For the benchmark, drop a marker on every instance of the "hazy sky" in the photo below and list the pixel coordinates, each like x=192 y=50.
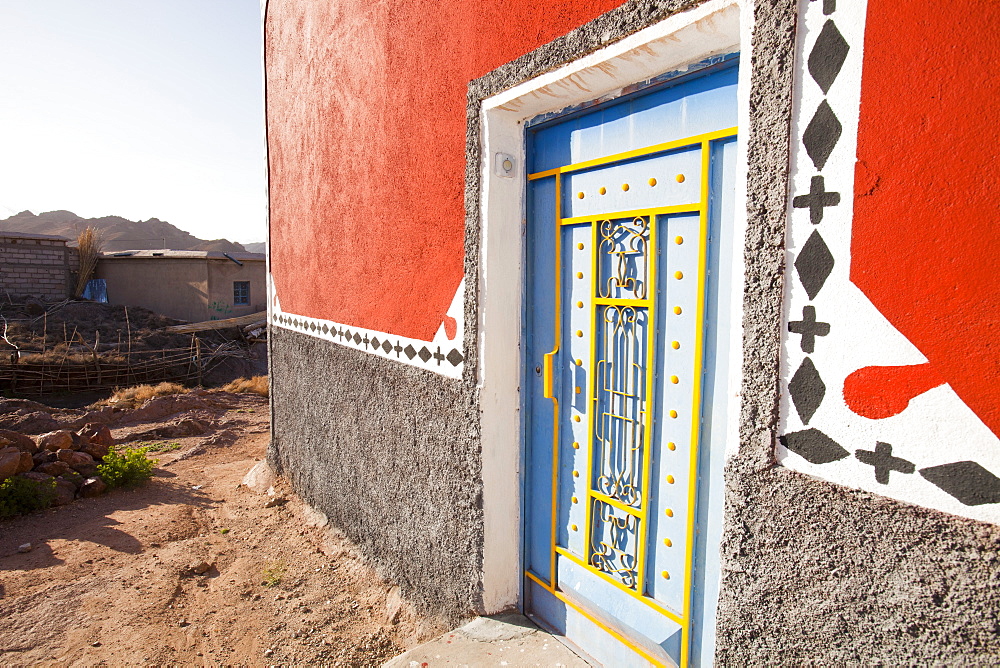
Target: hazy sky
x=137 y=108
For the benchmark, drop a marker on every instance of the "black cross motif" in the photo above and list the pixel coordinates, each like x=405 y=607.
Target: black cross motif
x=438 y=356
x=816 y=200
x=398 y=348
x=809 y=328
x=884 y=462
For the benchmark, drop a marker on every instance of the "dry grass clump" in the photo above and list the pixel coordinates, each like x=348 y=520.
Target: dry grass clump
x=255 y=385
x=130 y=397
x=89 y=244
x=61 y=354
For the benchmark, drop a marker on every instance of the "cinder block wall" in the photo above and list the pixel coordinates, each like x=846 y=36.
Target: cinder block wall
x=35 y=268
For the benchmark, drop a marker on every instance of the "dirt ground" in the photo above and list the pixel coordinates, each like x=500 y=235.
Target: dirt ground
x=109 y=580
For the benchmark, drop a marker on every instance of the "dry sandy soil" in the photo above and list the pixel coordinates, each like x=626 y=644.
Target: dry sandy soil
x=108 y=580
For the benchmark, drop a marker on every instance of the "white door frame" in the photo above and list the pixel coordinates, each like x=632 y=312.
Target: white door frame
x=713 y=28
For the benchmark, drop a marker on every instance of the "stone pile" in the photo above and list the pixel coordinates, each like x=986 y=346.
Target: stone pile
x=68 y=457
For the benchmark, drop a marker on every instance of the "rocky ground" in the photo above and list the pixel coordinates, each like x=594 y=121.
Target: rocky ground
x=194 y=567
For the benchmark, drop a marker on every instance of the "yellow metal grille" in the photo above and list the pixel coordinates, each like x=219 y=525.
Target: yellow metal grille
x=621 y=365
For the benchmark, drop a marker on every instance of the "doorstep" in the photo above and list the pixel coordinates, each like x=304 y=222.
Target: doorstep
x=502 y=640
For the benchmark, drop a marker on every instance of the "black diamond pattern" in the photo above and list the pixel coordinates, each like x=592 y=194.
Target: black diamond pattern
x=827 y=56
x=967 y=481
x=454 y=356
x=807 y=390
x=822 y=134
x=814 y=446
x=814 y=264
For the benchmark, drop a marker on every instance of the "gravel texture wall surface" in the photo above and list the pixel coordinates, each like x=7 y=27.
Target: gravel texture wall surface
x=390 y=454
x=813 y=572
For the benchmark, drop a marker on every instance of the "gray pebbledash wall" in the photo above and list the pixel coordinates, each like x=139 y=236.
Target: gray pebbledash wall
x=812 y=572
x=390 y=454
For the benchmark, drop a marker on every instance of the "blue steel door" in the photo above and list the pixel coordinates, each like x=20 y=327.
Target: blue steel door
x=628 y=256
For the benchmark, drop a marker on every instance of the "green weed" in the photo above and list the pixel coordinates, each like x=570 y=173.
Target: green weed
x=19 y=496
x=161 y=447
x=272 y=573
x=126 y=468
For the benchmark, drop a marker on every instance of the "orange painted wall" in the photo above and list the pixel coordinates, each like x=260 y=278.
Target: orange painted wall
x=926 y=237
x=366 y=106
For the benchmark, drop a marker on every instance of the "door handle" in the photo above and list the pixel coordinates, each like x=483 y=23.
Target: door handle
x=547 y=374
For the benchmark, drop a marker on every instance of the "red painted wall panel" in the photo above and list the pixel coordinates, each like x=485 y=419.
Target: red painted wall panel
x=366 y=140
x=926 y=236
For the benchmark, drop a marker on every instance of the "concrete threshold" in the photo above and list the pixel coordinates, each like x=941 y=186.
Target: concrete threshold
x=502 y=640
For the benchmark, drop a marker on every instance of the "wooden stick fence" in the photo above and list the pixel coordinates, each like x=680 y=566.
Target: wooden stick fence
x=182 y=365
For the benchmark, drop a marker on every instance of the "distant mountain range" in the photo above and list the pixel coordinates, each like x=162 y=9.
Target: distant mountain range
x=121 y=234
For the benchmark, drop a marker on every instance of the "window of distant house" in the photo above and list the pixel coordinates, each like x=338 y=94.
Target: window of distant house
x=241 y=293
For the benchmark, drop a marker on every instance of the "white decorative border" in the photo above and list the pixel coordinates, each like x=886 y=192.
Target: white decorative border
x=937 y=428
x=442 y=355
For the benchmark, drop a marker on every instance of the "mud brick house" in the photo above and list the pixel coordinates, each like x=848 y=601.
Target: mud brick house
x=36 y=265
x=671 y=323
x=186 y=284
